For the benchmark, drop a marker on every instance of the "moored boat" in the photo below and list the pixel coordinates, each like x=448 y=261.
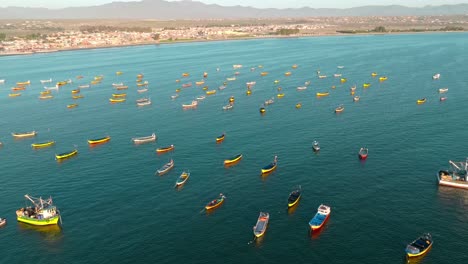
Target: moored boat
x=66 y=155
x=263 y=73
x=228 y=107
x=363 y=152
x=186 y=85
x=443 y=90
x=43 y=144
x=119 y=95
x=421 y=101
x=336 y=75
x=216 y=202
x=356 y=98
x=298 y=105
x=443 y=98
x=182 y=178
x=124 y=87
x=383 y=78
x=301 y=88
x=3 y=222
x=72 y=105
x=142 y=90
x=210 y=92
x=77 y=96
x=366 y=85
x=23 y=83
x=270 y=167
x=294 y=197
x=18 y=88
x=42 y=213
x=339 y=109
x=320 y=218
x=322 y=94
x=262 y=110
x=165 y=149
x=99 y=140
x=117 y=100
x=24 y=135
x=45 y=97
x=45 y=92
x=420 y=246
x=287 y=74
x=142 y=140
x=233 y=160
x=456 y=176
x=280 y=95
x=261 y=225
x=436 y=76
x=194 y=104
x=374 y=74
x=167 y=167
x=75 y=91
x=316 y=146
x=221 y=138
x=14 y=94
x=343 y=80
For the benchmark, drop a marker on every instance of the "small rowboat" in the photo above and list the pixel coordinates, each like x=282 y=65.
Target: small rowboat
x=121 y=87
x=66 y=155
x=194 y=104
x=118 y=73
x=43 y=144
x=419 y=246
x=182 y=179
x=436 y=76
x=185 y=74
x=322 y=94
x=216 y=202
x=77 y=96
x=301 y=88
x=270 y=167
x=336 y=75
x=421 y=101
x=142 y=140
x=24 y=135
x=45 y=97
x=14 y=94
x=294 y=197
x=167 y=167
x=75 y=91
x=93 y=142
x=3 y=222
x=280 y=95
x=139 y=76
x=83 y=86
x=366 y=85
x=45 y=92
x=186 y=85
x=18 y=88
x=339 y=109
x=228 y=107
x=145 y=83
x=287 y=74
x=374 y=74
x=23 y=83
x=294 y=66
x=142 y=90
x=72 y=105
x=356 y=98
x=363 y=152
x=383 y=78
x=443 y=98
x=220 y=138
x=316 y=146
x=95 y=82
x=231 y=79
x=199 y=83
x=210 y=92
x=165 y=149
x=46 y=81
x=119 y=95
x=114 y=100
x=262 y=223
x=144 y=103
x=443 y=90
x=298 y=105
x=233 y=160
x=320 y=218
x=343 y=80
x=263 y=73
x=262 y=110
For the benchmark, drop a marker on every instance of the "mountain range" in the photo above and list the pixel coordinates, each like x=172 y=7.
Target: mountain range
x=164 y=10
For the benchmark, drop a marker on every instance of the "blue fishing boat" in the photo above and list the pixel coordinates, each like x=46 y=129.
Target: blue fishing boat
x=270 y=167
x=419 y=246
x=320 y=218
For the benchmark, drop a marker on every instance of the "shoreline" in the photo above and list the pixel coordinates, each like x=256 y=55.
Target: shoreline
x=219 y=40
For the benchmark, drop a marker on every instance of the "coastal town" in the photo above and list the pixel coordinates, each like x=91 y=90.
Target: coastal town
x=36 y=36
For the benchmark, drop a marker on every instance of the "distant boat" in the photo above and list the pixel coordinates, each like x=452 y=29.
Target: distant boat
x=356 y=98
x=269 y=101
x=270 y=167
x=216 y=202
x=117 y=84
x=46 y=81
x=228 y=107
x=3 y=222
x=262 y=223
x=456 y=176
x=340 y=67
x=280 y=95
x=320 y=218
x=233 y=160
x=186 y=85
x=263 y=73
x=343 y=80
x=42 y=213
x=443 y=90
x=374 y=74
x=117 y=100
x=167 y=167
x=298 y=105
x=80 y=96
x=443 y=98
x=201 y=97
x=174 y=96
x=75 y=91
x=294 y=197
x=337 y=75
x=237 y=66
x=363 y=152
x=144 y=103
x=83 y=86
x=231 y=79
x=43 y=144
x=287 y=74
x=366 y=85
x=24 y=135
x=383 y=78
x=124 y=87
x=421 y=101
x=221 y=138
x=66 y=155
x=45 y=97
x=142 y=140
x=23 y=83
x=294 y=66
x=262 y=110
x=165 y=149
x=322 y=76
x=56 y=88
x=142 y=90
x=199 y=83
x=339 y=109
x=436 y=76
x=301 y=88
x=14 y=94
x=22 y=88
x=322 y=94
x=45 y=92
x=420 y=246
x=210 y=92
x=182 y=178
x=194 y=104
x=316 y=146
x=120 y=95
x=72 y=105
x=98 y=141
x=2 y=81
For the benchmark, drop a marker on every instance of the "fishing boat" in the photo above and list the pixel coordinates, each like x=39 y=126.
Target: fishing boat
x=142 y=140
x=3 y=222
x=294 y=197
x=443 y=90
x=287 y=74
x=237 y=66
x=250 y=84
x=194 y=104
x=43 y=212
x=144 y=103
x=366 y=85
x=118 y=73
x=340 y=67
x=18 y=89
x=83 y=86
x=231 y=99
x=185 y=74
x=66 y=155
x=231 y=79
x=140 y=75
x=75 y=91
x=443 y=98
x=262 y=223
x=43 y=144
x=294 y=66
x=45 y=92
x=262 y=110
x=72 y=105
x=436 y=76
x=249 y=92
x=301 y=88
x=205 y=74
x=24 y=135
x=343 y=80
x=216 y=202
x=270 y=167
x=14 y=94
x=201 y=97
x=199 y=83
x=54 y=88
x=228 y=107
x=263 y=73
x=276 y=81
x=167 y=167
x=421 y=101
x=121 y=95
x=145 y=83
x=339 y=109
x=61 y=83
x=221 y=138
x=356 y=98
x=117 y=84
x=316 y=146
x=298 y=105
x=420 y=246
x=222 y=87
x=280 y=95
x=186 y=85
x=174 y=96
x=2 y=81
x=95 y=82
x=77 y=96
x=322 y=76
x=125 y=87
x=99 y=140
x=23 y=83
x=142 y=90
x=320 y=218
x=383 y=78
x=233 y=160
x=456 y=176
x=336 y=75
x=182 y=178
x=165 y=149
x=322 y=94
x=210 y=92
x=117 y=100
x=269 y=101
x=79 y=77
x=363 y=152
x=374 y=74
x=45 y=97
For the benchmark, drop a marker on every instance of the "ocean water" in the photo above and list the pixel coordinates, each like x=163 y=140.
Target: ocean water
x=115 y=210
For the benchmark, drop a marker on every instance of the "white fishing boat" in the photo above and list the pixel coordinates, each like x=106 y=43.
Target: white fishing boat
x=237 y=66
x=269 y=101
x=231 y=79
x=456 y=176
x=201 y=97
x=250 y=84
x=142 y=140
x=340 y=67
x=2 y=81
x=436 y=76
x=222 y=87
x=167 y=167
x=52 y=88
x=194 y=104
x=337 y=75
x=83 y=86
x=443 y=90
x=142 y=90
x=46 y=81
x=141 y=100
x=174 y=96
x=322 y=76
x=117 y=84
x=228 y=107
x=301 y=88
x=262 y=223
x=144 y=103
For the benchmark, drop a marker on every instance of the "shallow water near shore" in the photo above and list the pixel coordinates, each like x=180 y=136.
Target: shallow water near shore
x=115 y=210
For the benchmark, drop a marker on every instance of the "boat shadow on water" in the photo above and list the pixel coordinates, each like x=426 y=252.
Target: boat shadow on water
x=50 y=233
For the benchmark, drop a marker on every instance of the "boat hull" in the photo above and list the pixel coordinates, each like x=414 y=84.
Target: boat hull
x=315 y=228
x=210 y=207
x=43 y=145
x=39 y=222
x=66 y=155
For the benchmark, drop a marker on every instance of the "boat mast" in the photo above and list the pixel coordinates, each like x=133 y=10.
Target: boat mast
x=455 y=165
x=32 y=200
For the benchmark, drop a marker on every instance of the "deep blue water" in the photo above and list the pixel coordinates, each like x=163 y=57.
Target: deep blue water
x=115 y=210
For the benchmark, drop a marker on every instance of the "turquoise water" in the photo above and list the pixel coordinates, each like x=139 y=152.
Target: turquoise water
x=115 y=210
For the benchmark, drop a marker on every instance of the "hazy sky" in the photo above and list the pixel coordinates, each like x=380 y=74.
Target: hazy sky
x=254 y=3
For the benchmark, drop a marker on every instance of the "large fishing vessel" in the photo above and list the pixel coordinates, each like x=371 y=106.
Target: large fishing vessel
x=455 y=176
x=42 y=213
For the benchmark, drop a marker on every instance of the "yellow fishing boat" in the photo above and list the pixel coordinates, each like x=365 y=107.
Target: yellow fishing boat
x=374 y=74
x=42 y=213
x=23 y=83
x=263 y=73
x=99 y=140
x=185 y=74
x=119 y=73
x=249 y=92
x=421 y=101
x=77 y=96
x=287 y=74
x=383 y=78
x=117 y=100
x=45 y=92
x=210 y=92
x=75 y=91
x=294 y=66
x=119 y=95
x=280 y=95
x=72 y=105
x=200 y=83
x=276 y=81
x=322 y=94
x=298 y=105
x=24 y=135
x=43 y=144
x=233 y=160
x=14 y=94
x=66 y=155
x=343 y=80
x=45 y=97
x=95 y=82
x=62 y=83
x=366 y=85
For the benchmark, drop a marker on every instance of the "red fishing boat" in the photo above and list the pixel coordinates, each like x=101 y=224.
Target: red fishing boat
x=363 y=153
